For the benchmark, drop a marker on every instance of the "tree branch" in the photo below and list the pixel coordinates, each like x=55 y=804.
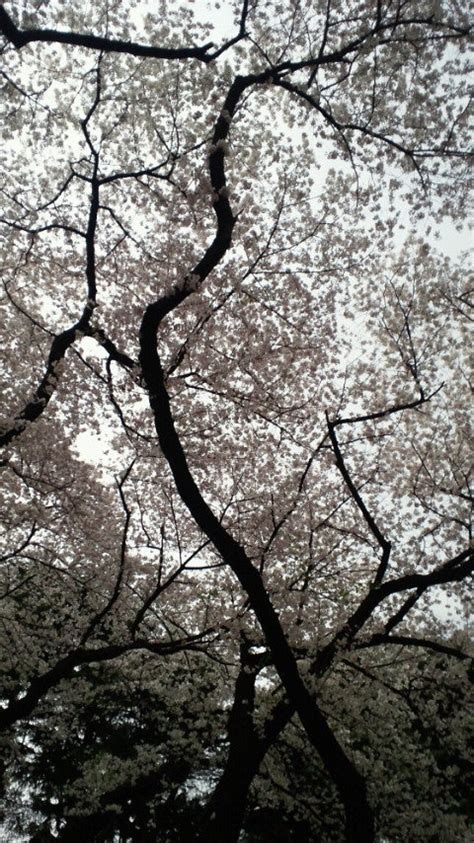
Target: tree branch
x=21 y=37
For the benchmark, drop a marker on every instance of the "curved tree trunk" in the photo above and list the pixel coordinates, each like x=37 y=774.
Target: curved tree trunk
x=349 y=783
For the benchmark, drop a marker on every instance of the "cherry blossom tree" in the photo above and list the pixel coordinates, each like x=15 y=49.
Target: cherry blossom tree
x=224 y=275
